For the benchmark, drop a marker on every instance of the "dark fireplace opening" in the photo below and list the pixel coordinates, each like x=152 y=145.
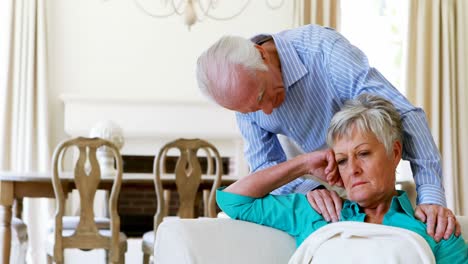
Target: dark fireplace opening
x=144 y=164
x=137 y=202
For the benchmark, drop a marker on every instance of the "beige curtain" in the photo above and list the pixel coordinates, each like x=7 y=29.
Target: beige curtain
x=24 y=141
x=437 y=78
x=321 y=12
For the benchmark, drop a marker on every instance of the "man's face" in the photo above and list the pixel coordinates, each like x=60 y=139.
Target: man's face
x=271 y=90
x=264 y=91
x=367 y=171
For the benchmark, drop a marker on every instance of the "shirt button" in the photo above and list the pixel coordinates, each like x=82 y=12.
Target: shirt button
x=291 y=129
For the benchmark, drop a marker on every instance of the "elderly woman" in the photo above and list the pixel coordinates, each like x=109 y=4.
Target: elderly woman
x=365 y=137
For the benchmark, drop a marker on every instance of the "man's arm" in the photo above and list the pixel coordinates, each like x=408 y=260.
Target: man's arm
x=351 y=75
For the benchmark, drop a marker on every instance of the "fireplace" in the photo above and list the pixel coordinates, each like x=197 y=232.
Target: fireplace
x=137 y=203
x=147 y=125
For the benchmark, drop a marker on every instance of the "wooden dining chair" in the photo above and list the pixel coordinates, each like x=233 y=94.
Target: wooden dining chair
x=87 y=177
x=188 y=177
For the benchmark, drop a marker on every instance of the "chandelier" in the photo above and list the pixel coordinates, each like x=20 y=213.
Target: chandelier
x=197 y=10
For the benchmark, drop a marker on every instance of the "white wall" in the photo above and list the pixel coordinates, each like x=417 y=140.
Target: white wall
x=110 y=48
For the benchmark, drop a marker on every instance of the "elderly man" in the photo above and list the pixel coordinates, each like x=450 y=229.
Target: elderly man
x=366 y=141
x=291 y=84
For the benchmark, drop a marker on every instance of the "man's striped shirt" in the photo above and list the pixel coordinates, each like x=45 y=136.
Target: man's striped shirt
x=321 y=70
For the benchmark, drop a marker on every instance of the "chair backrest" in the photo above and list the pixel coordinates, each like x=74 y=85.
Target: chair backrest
x=188 y=177
x=87 y=177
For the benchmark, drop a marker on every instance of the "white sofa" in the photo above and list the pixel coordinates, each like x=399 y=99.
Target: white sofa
x=205 y=241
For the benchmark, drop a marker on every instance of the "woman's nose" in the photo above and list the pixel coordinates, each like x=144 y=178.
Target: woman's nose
x=354 y=166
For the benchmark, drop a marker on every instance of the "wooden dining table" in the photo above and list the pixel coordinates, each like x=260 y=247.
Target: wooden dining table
x=18 y=185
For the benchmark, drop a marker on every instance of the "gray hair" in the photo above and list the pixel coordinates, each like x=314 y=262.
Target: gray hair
x=217 y=67
x=367 y=113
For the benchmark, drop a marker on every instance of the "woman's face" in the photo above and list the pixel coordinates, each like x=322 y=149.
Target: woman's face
x=368 y=172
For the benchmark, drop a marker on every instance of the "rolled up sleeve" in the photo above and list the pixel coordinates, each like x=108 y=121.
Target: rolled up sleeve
x=290 y=213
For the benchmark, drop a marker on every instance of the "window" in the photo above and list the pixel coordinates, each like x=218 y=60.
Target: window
x=378 y=27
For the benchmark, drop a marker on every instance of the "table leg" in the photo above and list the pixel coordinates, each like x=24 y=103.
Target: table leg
x=18 y=208
x=6 y=202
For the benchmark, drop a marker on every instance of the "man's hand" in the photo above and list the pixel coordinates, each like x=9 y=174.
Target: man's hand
x=327 y=203
x=441 y=222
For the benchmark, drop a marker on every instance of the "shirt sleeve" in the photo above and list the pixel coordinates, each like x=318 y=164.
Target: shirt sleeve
x=262 y=149
x=351 y=75
x=290 y=213
x=453 y=251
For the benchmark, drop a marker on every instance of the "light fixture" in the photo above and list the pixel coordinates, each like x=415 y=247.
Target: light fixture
x=197 y=10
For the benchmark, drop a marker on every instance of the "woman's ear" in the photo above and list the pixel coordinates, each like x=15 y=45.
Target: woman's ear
x=396 y=153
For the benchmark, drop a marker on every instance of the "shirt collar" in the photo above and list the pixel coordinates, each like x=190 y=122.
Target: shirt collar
x=400 y=203
x=292 y=67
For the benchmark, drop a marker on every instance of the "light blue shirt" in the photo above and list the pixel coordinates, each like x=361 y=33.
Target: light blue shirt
x=293 y=214
x=321 y=70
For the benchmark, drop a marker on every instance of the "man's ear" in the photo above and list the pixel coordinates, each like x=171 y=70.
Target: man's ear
x=262 y=51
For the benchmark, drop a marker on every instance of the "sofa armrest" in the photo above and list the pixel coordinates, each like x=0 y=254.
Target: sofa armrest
x=215 y=240
x=463 y=220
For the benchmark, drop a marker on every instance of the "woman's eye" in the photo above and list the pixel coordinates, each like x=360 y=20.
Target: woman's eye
x=341 y=162
x=364 y=153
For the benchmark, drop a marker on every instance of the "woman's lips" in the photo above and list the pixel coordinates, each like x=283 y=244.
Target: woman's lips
x=357 y=184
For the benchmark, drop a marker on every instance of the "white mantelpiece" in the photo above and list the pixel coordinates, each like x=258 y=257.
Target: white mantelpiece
x=148 y=124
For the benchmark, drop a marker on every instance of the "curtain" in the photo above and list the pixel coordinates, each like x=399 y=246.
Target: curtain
x=437 y=81
x=24 y=140
x=321 y=12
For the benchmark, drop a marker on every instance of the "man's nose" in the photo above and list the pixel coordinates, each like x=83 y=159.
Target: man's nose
x=267 y=107
x=267 y=111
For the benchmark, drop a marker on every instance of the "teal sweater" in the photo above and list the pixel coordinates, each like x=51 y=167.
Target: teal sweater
x=293 y=214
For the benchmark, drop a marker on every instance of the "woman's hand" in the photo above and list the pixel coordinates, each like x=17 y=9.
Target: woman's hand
x=322 y=164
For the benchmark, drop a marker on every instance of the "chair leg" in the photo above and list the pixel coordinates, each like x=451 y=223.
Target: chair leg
x=50 y=260
x=122 y=257
x=146 y=258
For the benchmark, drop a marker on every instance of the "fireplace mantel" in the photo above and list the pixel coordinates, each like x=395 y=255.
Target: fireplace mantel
x=149 y=123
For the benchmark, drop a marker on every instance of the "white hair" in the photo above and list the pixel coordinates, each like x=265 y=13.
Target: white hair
x=217 y=67
x=367 y=113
